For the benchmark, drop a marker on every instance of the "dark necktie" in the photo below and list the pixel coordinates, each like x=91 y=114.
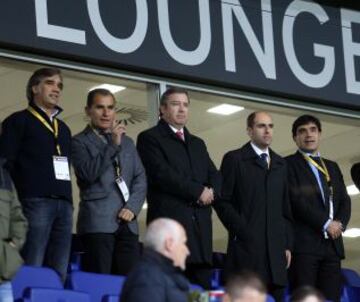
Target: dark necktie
x=263 y=157
x=323 y=181
x=107 y=136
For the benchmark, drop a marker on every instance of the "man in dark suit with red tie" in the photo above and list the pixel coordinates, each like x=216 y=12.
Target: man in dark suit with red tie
x=182 y=180
x=321 y=211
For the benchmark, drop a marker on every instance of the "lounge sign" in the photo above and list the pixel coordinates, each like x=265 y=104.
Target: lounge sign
x=298 y=49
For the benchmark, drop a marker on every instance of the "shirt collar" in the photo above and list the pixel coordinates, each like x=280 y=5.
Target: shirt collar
x=258 y=151
x=175 y=129
x=55 y=112
x=100 y=133
x=309 y=154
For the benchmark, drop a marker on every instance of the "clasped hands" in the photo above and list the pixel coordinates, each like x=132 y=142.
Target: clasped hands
x=126 y=215
x=334 y=229
x=207 y=196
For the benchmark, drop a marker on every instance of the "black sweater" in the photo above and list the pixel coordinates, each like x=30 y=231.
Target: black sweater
x=29 y=148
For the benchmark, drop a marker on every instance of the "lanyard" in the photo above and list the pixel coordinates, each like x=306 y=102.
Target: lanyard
x=117 y=168
x=322 y=169
x=325 y=171
x=116 y=163
x=54 y=130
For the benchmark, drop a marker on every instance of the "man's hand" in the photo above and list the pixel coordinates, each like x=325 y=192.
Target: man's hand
x=288 y=258
x=117 y=132
x=334 y=229
x=126 y=215
x=207 y=196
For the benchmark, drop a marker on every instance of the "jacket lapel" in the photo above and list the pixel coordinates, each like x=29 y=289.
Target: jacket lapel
x=166 y=131
x=93 y=138
x=250 y=154
x=275 y=160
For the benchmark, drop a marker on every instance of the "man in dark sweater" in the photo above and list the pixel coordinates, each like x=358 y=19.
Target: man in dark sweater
x=157 y=277
x=37 y=147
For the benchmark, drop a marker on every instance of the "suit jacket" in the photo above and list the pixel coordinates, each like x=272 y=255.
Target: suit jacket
x=255 y=210
x=355 y=174
x=177 y=173
x=100 y=198
x=309 y=211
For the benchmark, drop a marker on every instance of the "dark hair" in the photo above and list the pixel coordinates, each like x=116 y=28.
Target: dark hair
x=251 y=119
x=166 y=95
x=301 y=293
x=91 y=95
x=37 y=77
x=304 y=120
x=236 y=283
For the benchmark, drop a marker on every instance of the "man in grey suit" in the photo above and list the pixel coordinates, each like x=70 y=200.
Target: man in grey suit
x=112 y=185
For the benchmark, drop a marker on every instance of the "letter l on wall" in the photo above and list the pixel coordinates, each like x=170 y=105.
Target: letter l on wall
x=55 y=32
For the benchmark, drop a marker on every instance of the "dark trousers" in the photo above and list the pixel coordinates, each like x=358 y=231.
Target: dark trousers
x=199 y=274
x=321 y=271
x=114 y=253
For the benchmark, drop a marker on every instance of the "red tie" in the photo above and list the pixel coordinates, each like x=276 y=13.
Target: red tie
x=180 y=135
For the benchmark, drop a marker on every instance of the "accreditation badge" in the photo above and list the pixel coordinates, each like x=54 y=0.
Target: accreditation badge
x=61 y=167
x=123 y=188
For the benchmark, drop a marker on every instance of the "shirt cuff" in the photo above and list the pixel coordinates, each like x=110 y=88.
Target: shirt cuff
x=326 y=224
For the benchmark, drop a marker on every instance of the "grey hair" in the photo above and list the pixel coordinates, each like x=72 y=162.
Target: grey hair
x=159 y=230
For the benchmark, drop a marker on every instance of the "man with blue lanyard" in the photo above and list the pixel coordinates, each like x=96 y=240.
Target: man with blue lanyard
x=321 y=212
x=37 y=146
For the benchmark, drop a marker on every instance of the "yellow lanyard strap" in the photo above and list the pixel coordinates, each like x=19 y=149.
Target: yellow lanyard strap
x=322 y=169
x=54 y=130
x=325 y=171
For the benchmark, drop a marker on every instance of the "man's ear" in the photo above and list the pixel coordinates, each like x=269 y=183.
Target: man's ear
x=249 y=131
x=35 y=89
x=169 y=243
x=86 y=110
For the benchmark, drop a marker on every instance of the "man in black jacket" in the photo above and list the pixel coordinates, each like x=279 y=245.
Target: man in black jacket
x=182 y=180
x=355 y=174
x=157 y=277
x=254 y=207
x=37 y=146
x=321 y=210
